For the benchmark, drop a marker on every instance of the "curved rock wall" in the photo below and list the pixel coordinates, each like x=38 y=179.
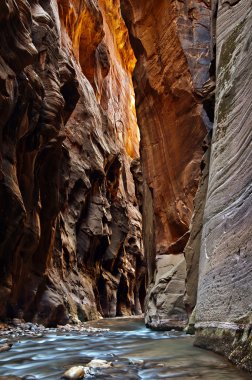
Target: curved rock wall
x=72 y=189
x=171 y=41
x=223 y=311
x=70 y=226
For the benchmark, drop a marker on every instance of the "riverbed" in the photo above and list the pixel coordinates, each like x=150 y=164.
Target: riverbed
x=134 y=351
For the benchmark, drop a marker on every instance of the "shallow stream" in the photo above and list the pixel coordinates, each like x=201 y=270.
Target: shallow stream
x=135 y=351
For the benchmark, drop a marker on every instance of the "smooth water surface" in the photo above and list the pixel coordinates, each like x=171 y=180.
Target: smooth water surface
x=135 y=351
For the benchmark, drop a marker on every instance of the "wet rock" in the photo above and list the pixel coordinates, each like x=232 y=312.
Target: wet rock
x=81 y=328
x=98 y=363
x=138 y=362
x=5 y=347
x=34 y=330
x=17 y=321
x=75 y=373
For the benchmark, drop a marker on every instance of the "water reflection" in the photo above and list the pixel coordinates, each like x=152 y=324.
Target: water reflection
x=136 y=353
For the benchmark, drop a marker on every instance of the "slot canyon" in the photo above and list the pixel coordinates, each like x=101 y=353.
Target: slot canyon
x=125 y=169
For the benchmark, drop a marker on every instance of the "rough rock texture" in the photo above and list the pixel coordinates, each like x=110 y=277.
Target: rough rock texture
x=171 y=41
x=224 y=304
x=70 y=227
x=165 y=300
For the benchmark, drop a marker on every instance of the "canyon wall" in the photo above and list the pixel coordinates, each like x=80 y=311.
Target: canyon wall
x=173 y=86
x=224 y=303
x=73 y=191
x=70 y=226
x=197 y=208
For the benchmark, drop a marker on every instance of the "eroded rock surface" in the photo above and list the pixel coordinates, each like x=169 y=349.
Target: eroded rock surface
x=165 y=300
x=70 y=226
x=223 y=311
x=171 y=41
x=72 y=189
x=192 y=249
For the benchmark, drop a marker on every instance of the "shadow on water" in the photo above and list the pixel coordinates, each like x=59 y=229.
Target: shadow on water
x=135 y=351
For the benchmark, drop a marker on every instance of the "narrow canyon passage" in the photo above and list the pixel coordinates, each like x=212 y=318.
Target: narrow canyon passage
x=125 y=185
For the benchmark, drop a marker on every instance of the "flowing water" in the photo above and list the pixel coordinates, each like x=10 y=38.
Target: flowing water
x=136 y=353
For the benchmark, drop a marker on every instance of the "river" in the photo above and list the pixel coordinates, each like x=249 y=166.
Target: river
x=135 y=351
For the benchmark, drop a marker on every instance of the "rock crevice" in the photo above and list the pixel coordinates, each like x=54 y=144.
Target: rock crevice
x=172 y=43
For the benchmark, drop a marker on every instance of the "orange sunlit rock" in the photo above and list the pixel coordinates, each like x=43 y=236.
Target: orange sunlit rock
x=71 y=247
x=84 y=25
x=101 y=44
x=117 y=90
x=117 y=26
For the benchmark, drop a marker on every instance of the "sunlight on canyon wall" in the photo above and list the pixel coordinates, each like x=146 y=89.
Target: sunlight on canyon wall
x=71 y=247
x=101 y=44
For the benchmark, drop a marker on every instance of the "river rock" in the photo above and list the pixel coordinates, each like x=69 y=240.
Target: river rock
x=17 y=321
x=98 y=363
x=74 y=373
x=136 y=362
x=5 y=347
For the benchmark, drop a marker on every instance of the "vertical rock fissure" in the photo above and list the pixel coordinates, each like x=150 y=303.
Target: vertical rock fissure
x=174 y=101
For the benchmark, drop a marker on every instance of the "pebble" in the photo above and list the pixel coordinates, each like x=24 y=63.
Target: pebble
x=18 y=328
x=80 y=328
x=136 y=361
x=74 y=373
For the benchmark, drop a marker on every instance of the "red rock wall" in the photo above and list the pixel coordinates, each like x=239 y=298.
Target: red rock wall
x=171 y=41
x=70 y=227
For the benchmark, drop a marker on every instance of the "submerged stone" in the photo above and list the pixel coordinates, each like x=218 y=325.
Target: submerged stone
x=74 y=373
x=98 y=363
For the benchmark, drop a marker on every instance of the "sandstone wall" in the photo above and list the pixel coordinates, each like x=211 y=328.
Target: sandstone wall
x=223 y=311
x=70 y=226
x=171 y=41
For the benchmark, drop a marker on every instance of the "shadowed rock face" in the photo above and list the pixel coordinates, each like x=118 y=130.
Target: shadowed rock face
x=171 y=41
x=223 y=311
x=70 y=227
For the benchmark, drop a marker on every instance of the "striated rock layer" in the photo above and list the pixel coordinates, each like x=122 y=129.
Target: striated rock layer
x=224 y=303
x=171 y=41
x=70 y=226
